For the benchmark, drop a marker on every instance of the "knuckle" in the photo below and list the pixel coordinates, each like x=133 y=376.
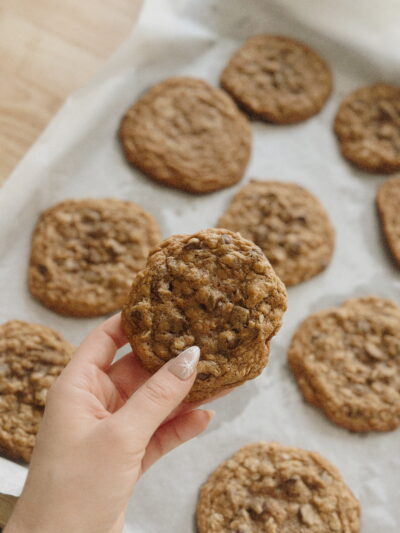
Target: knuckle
x=158 y=393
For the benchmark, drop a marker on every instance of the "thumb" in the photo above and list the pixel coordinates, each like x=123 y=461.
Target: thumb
x=150 y=405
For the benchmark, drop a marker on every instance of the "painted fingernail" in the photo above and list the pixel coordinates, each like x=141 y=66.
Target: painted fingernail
x=185 y=364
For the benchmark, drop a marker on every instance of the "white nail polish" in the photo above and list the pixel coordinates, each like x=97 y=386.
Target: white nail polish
x=185 y=364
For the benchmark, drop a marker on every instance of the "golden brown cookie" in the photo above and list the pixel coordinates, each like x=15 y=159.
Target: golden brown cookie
x=346 y=361
x=269 y=488
x=31 y=358
x=388 y=204
x=288 y=223
x=85 y=254
x=215 y=290
x=186 y=134
x=278 y=79
x=367 y=126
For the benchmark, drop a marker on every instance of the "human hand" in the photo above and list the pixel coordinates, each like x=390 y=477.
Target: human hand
x=104 y=425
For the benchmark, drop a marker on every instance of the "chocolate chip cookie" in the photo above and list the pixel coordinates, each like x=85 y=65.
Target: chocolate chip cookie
x=278 y=79
x=85 y=254
x=270 y=488
x=346 y=361
x=288 y=223
x=215 y=290
x=388 y=203
x=367 y=126
x=186 y=134
x=31 y=358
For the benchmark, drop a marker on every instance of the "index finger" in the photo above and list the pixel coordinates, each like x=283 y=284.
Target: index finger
x=100 y=346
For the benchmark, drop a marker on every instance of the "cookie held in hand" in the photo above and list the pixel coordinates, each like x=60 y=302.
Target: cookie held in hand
x=270 y=488
x=186 y=134
x=346 y=361
x=212 y=289
x=31 y=358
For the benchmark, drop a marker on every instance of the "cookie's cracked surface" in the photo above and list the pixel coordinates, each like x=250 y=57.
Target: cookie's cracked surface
x=85 y=254
x=278 y=79
x=186 y=134
x=346 y=361
x=367 y=126
x=31 y=358
x=288 y=223
x=215 y=290
x=270 y=488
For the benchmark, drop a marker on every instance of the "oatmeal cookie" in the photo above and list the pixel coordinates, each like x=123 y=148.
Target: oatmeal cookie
x=288 y=223
x=346 y=361
x=215 y=290
x=270 y=488
x=367 y=126
x=186 y=134
x=31 y=358
x=278 y=79
x=388 y=204
x=85 y=254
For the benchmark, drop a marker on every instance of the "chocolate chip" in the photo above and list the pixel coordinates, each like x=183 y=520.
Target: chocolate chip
x=42 y=269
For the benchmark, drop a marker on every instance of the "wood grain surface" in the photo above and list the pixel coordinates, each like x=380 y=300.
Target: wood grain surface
x=49 y=48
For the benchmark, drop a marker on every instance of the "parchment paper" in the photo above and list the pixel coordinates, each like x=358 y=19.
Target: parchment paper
x=79 y=156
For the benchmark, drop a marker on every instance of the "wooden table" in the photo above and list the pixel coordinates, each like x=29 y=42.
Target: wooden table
x=48 y=48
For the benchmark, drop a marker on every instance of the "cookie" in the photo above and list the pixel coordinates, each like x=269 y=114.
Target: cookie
x=186 y=134
x=31 y=358
x=270 y=488
x=388 y=203
x=346 y=361
x=367 y=126
x=85 y=254
x=212 y=289
x=278 y=79
x=288 y=223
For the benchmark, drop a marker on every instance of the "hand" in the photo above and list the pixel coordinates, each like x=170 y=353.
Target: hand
x=104 y=425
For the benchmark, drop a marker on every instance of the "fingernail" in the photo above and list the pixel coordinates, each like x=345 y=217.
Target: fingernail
x=185 y=364
x=210 y=413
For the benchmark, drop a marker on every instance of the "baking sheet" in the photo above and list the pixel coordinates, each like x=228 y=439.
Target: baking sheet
x=79 y=156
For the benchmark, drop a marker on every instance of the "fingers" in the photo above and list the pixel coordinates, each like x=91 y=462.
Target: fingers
x=128 y=375
x=100 y=345
x=149 y=406
x=174 y=433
